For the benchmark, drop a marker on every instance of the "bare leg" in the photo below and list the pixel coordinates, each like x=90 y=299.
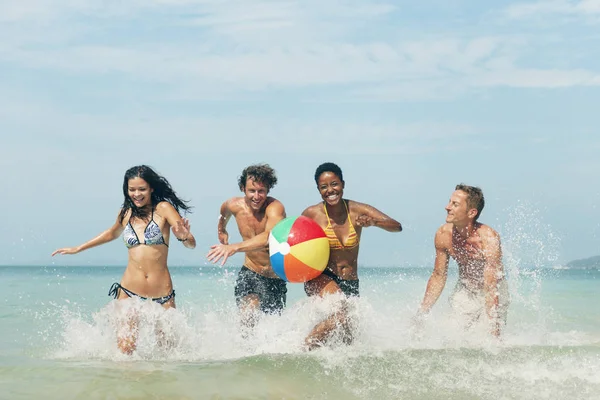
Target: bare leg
x=127 y=331
x=162 y=339
x=127 y=337
x=322 y=332
x=249 y=307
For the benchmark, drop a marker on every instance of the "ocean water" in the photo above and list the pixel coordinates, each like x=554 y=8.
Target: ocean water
x=58 y=341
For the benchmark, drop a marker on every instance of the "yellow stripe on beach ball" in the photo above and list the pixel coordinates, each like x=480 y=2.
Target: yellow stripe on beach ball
x=314 y=253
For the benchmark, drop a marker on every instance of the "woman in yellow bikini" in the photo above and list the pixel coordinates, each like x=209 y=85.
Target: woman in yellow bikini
x=343 y=221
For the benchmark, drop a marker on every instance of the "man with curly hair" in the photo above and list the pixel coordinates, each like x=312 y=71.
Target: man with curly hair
x=257 y=286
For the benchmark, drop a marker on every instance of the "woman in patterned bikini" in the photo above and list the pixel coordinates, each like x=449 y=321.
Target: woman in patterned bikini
x=150 y=209
x=342 y=221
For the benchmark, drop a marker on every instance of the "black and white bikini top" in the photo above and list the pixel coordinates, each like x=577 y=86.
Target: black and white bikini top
x=152 y=234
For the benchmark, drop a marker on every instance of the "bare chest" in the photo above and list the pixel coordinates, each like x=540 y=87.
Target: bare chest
x=468 y=253
x=250 y=225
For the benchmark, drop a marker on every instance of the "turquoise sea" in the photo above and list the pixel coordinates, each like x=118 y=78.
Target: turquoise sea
x=58 y=341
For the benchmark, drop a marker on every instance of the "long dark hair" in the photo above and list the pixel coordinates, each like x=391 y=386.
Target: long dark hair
x=162 y=191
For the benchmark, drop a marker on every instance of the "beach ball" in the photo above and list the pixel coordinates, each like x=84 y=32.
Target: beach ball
x=298 y=248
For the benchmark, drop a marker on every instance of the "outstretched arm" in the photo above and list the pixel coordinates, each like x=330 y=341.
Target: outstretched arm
x=370 y=216
x=108 y=235
x=179 y=226
x=492 y=273
x=437 y=281
x=274 y=213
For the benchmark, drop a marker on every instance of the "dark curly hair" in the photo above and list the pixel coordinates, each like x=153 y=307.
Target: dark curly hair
x=474 y=197
x=328 y=167
x=162 y=191
x=262 y=173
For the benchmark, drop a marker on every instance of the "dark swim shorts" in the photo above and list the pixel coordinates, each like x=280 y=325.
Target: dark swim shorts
x=271 y=291
x=348 y=287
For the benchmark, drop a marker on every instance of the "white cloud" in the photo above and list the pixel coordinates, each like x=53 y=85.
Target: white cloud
x=521 y=10
x=564 y=7
x=536 y=78
x=313 y=64
x=417 y=70
x=408 y=90
x=220 y=49
x=589 y=6
x=67 y=134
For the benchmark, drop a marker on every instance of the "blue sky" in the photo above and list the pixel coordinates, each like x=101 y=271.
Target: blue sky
x=409 y=99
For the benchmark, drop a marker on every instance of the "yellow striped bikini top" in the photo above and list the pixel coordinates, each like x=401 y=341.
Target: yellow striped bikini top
x=334 y=243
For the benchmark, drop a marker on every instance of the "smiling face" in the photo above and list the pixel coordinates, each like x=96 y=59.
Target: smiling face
x=331 y=188
x=255 y=193
x=139 y=192
x=458 y=209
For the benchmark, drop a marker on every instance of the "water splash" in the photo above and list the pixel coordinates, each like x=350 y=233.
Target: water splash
x=206 y=350
x=530 y=246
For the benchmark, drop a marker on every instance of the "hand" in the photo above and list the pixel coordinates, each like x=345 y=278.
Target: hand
x=65 y=250
x=495 y=331
x=417 y=325
x=418 y=321
x=182 y=229
x=365 y=220
x=220 y=250
x=223 y=237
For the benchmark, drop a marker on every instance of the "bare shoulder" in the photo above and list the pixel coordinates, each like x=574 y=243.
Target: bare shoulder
x=356 y=206
x=234 y=204
x=443 y=236
x=274 y=206
x=487 y=233
x=126 y=217
x=445 y=229
x=164 y=207
x=273 y=202
x=313 y=211
x=166 y=210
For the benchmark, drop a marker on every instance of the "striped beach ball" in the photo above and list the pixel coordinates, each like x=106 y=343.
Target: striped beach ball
x=298 y=248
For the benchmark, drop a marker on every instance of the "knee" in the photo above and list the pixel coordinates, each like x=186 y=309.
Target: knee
x=127 y=345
